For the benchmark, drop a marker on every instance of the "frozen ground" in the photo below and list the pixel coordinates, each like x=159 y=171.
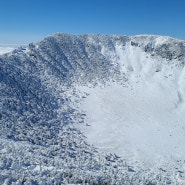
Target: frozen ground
x=143 y=119
x=138 y=123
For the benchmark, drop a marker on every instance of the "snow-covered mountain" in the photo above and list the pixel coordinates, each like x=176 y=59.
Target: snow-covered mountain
x=93 y=109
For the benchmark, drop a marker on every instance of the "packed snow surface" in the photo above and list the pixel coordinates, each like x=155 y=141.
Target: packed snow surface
x=142 y=122
x=93 y=109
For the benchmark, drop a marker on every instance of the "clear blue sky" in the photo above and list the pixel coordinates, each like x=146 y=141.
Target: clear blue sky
x=24 y=21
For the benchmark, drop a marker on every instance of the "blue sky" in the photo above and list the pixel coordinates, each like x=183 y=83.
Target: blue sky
x=24 y=21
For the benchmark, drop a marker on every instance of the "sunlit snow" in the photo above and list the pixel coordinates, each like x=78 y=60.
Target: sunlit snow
x=6 y=49
x=93 y=109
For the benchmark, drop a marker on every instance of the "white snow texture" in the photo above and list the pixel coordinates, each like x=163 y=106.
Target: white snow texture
x=93 y=109
x=7 y=48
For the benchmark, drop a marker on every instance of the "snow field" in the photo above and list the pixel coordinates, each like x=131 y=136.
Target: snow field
x=143 y=120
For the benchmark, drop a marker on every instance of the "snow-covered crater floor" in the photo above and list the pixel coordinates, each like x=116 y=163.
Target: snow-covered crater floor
x=140 y=123
x=142 y=120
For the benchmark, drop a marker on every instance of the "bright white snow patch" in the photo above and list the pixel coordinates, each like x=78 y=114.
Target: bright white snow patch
x=138 y=123
x=143 y=120
x=6 y=49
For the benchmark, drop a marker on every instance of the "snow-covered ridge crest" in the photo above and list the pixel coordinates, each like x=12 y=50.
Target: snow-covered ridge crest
x=78 y=109
x=164 y=46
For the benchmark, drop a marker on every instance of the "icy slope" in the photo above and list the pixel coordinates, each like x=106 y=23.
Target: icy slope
x=97 y=109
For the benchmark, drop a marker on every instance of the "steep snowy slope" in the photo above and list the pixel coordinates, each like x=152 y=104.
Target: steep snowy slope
x=97 y=109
